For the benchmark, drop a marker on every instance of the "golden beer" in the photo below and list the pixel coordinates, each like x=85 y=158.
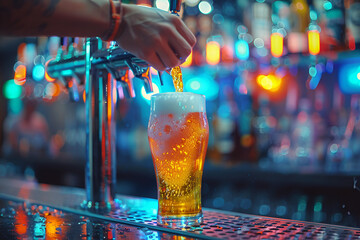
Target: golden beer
x=176 y=75
x=178 y=135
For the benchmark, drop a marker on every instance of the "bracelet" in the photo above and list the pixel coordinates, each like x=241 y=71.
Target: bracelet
x=115 y=19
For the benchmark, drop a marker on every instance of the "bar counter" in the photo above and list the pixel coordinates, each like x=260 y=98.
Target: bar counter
x=38 y=211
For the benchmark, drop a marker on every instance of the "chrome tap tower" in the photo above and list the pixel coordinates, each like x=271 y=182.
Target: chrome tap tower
x=97 y=68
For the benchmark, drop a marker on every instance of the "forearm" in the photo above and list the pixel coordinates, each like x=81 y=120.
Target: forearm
x=80 y=18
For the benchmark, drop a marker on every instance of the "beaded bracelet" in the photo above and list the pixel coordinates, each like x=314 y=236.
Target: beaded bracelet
x=114 y=22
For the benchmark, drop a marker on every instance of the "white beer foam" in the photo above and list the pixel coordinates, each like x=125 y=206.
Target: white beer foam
x=177 y=103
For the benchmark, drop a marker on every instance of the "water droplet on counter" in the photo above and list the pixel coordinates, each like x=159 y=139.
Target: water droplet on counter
x=357 y=183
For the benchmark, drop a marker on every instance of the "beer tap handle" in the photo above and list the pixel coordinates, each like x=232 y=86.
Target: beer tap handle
x=127 y=85
x=71 y=48
x=80 y=78
x=62 y=49
x=74 y=90
x=122 y=76
x=139 y=72
x=134 y=68
x=146 y=77
x=160 y=78
x=71 y=86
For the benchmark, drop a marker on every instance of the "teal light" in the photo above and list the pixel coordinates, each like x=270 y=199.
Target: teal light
x=195 y=85
x=317 y=207
x=11 y=90
x=312 y=71
x=313 y=15
x=204 y=85
x=334 y=148
x=327 y=5
x=302 y=205
x=242 y=49
x=315 y=73
x=38 y=72
x=15 y=105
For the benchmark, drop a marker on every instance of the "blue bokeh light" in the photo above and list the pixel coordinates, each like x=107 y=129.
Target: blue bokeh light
x=349 y=78
x=242 y=49
x=38 y=72
x=203 y=84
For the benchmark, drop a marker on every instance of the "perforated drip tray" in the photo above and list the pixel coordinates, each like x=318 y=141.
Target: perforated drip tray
x=140 y=213
x=224 y=225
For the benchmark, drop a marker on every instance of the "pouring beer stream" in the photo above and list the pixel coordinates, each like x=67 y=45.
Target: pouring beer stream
x=177 y=79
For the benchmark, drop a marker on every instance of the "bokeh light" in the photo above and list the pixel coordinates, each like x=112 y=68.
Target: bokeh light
x=11 y=90
x=162 y=4
x=52 y=89
x=212 y=52
x=277 y=44
x=188 y=61
x=314 y=42
x=38 y=72
x=242 y=49
x=191 y=3
x=205 y=7
x=20 y=75
x=47 y=77
x=269 y=82
x=147 y=96
x=203 y=84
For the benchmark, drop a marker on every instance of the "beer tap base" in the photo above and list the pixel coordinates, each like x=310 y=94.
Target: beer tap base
x=103 y=208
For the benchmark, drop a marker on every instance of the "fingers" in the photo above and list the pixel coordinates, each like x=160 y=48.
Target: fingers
x=180 y=46
x=155 y=61
x=168 y=56
x=184 y=31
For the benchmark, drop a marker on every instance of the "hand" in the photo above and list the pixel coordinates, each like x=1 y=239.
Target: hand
x=156 y=36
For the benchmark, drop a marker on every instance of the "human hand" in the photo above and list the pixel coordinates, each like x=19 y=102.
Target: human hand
x=156 y=36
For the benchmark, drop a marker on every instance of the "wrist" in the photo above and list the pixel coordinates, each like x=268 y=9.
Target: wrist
x=115 y=17
x=123 y=23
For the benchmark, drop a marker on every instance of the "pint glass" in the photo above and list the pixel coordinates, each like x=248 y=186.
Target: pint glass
x=178 y=134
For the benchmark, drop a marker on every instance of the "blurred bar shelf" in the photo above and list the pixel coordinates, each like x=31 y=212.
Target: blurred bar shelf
x=236 y=173
x=138 y=216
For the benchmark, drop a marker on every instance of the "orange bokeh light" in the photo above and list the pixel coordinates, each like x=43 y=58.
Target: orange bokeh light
x=188 y=61
x=314 y=42
x=21 y=221
x=20 y=75
x=84 y=96
x=47 y=77
x=269 y=82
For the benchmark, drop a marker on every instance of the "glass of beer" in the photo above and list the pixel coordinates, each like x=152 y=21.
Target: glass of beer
x=178 y=134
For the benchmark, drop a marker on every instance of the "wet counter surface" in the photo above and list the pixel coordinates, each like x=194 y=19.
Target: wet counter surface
x=32 y=211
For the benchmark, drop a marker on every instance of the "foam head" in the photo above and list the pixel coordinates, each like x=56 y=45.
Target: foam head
x=177 y=103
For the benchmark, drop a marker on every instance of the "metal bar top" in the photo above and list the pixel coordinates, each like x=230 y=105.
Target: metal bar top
x=141 y=213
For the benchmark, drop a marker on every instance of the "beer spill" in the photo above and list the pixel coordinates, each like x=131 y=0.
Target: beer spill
x=177 y=79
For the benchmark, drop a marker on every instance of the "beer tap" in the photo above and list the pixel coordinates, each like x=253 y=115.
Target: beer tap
x=99 y=65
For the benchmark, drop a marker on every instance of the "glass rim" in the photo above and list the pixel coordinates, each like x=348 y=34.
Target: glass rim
x=172 y=93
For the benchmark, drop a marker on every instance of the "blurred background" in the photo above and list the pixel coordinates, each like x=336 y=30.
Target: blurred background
x=282 y=83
